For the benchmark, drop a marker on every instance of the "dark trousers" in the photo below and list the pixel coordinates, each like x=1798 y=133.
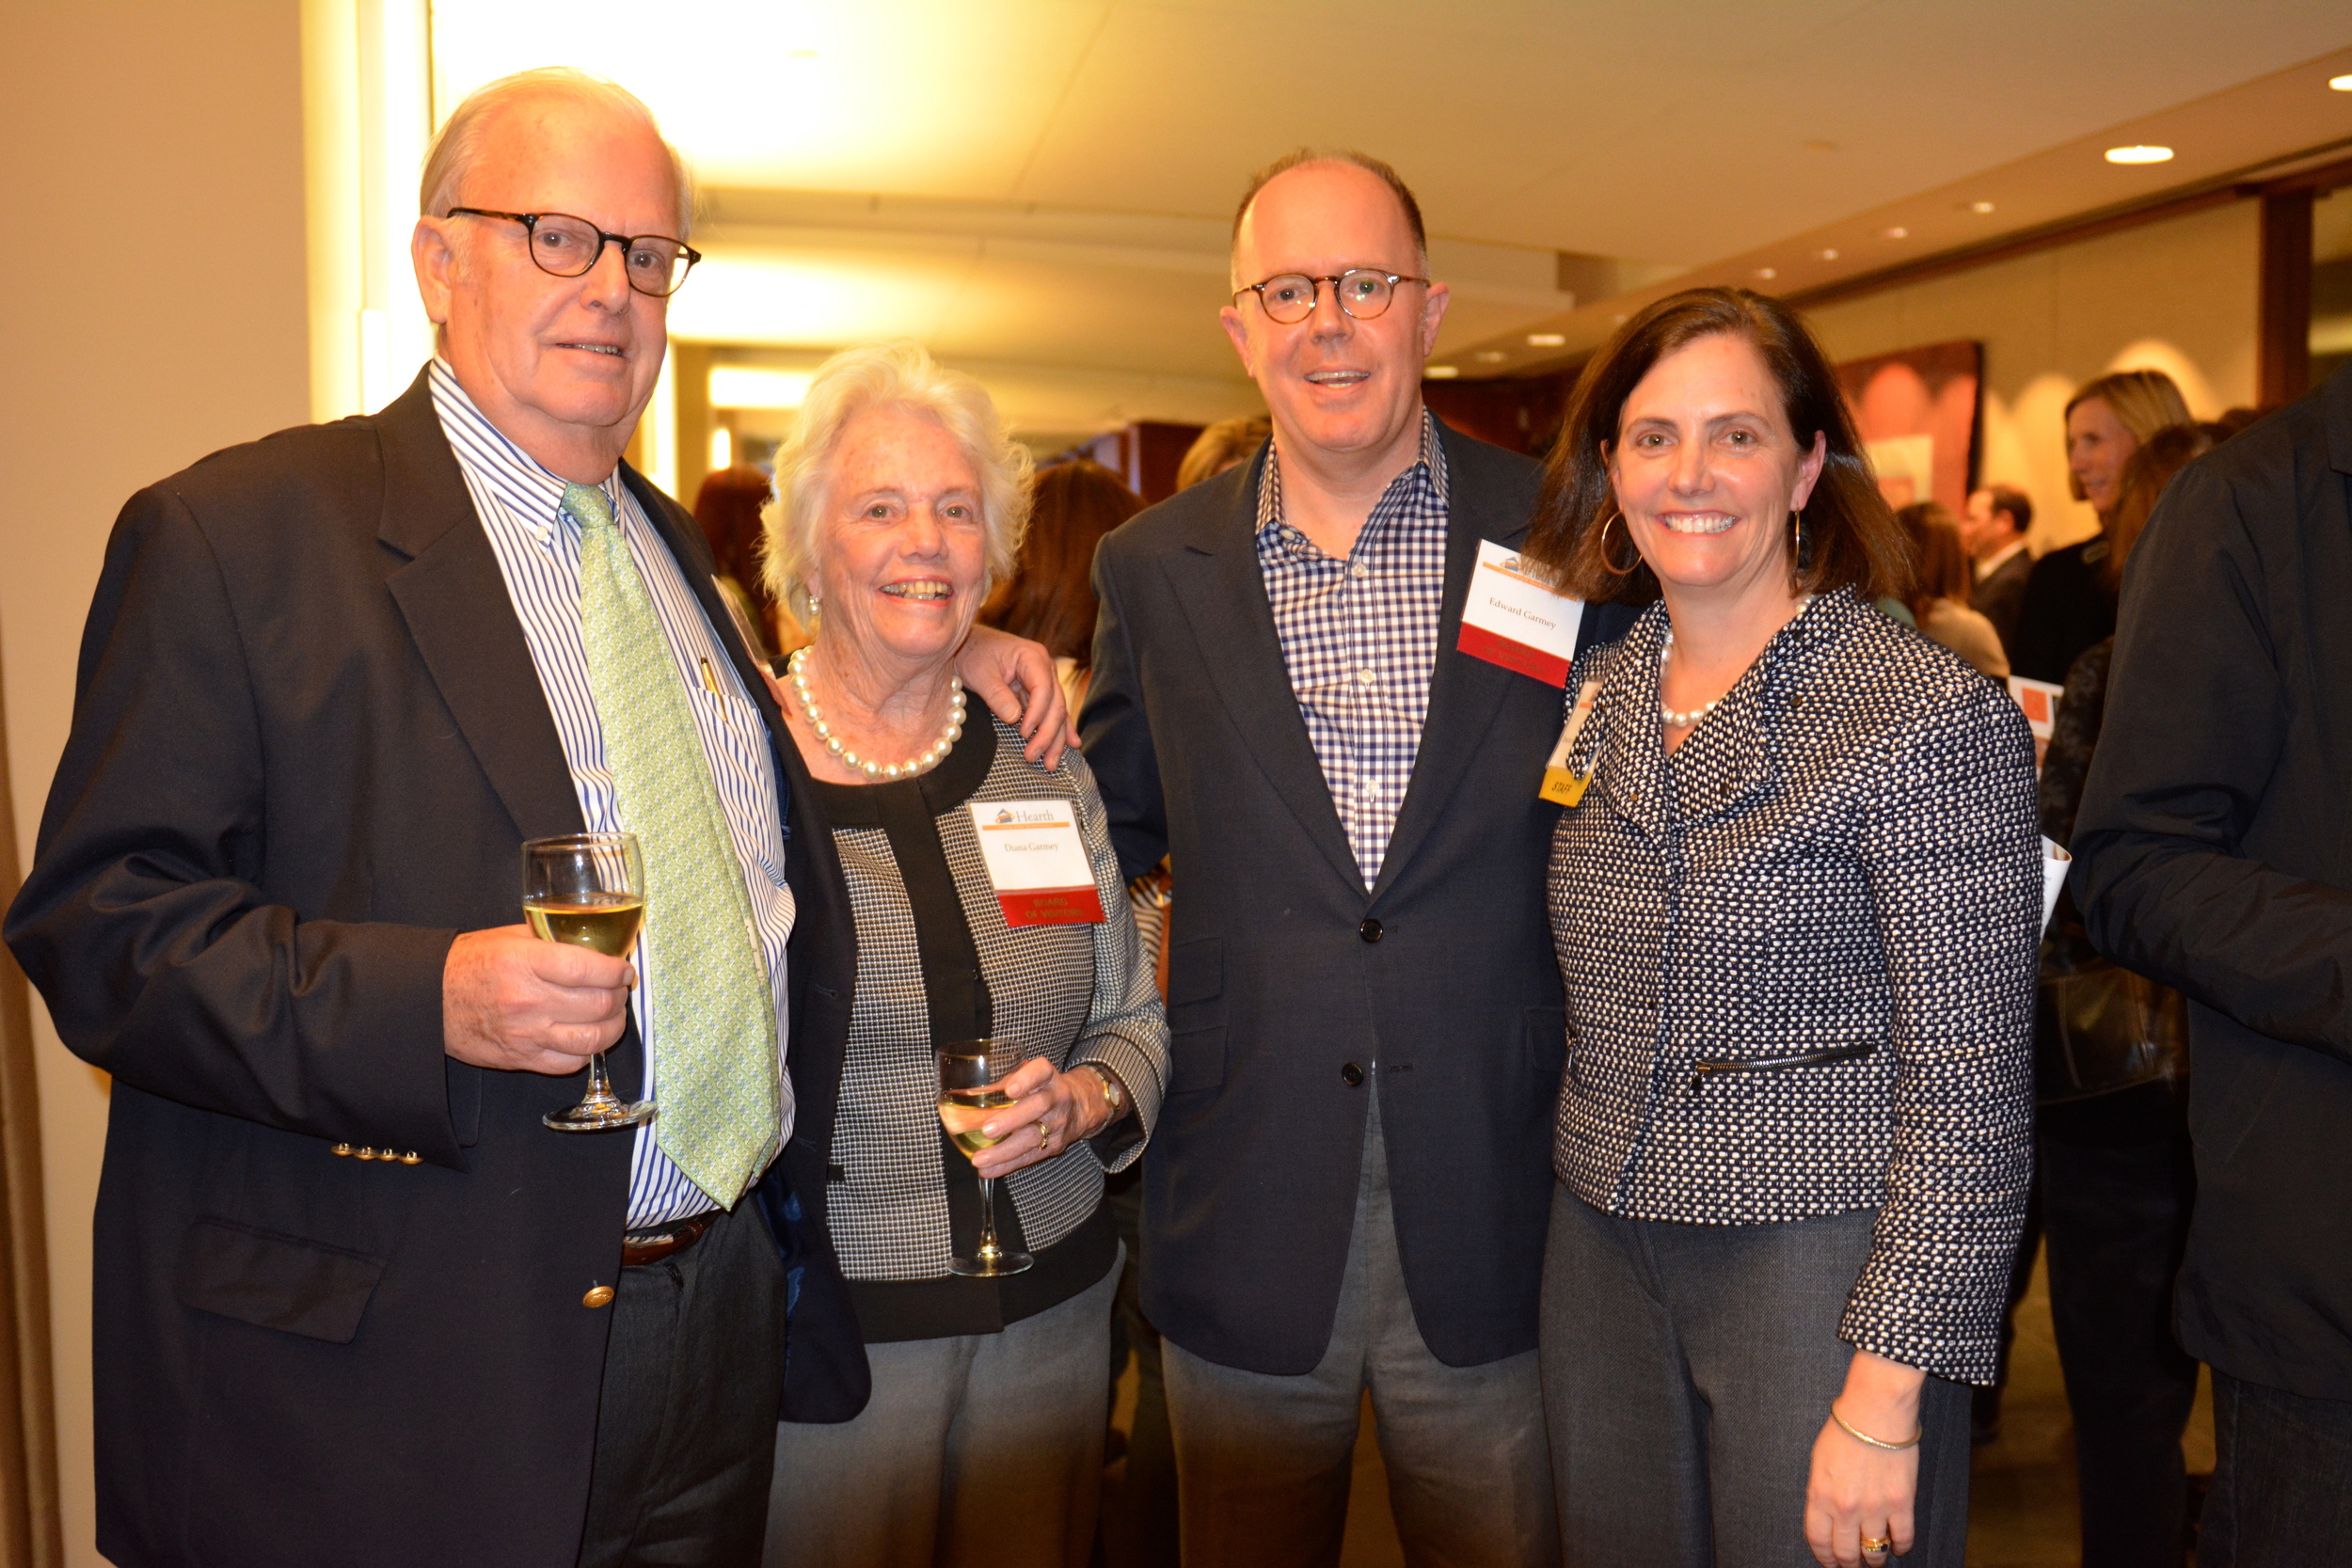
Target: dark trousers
x=686 y=1431
x=2281 y=1491
x=1688 y=1369
x=2117 y=1184
x=1137 y=1525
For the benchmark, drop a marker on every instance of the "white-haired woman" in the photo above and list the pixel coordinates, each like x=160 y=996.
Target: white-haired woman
x=899 y=501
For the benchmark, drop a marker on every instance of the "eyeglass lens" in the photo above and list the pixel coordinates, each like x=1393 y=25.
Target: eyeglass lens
x=568 y=247
x=1291 y=297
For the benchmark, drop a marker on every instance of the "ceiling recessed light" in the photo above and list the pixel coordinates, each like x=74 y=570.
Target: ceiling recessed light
x=1546 y=340
x=1980 y=206
x=2341 y=83
x=1441 y=373
x=1830 y=255
x=1897 y=232
x=2140 y=154
x=1491 y=357
x=1768 y=274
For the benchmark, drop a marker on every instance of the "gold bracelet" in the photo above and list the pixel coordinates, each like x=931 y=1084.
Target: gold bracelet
x=1858 y=1436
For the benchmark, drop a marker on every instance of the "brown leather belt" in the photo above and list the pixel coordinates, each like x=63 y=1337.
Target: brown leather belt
x=652 y=1246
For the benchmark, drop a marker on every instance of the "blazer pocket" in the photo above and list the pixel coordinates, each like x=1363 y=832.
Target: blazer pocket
x=1196 y=1059
x=277 y=1281
x=1196 y=972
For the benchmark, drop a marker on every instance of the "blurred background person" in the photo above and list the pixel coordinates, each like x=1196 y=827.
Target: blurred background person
x=1939 y=596
x=2116 y=1166
x=1796 y=934
x=728 y=507
x=2069 y=602
x=898 y=497
x=1994 y=534
x=1221 y=446
x=1051 y=592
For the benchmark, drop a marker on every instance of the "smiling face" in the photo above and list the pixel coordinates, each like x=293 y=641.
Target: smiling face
x=561 y=365
x=2097 y=446
x=1706 y=470
x=901 y=548
x=1336 y=385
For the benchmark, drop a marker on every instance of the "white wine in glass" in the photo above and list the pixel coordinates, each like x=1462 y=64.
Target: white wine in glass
x=589 y=890
x=967 y=1095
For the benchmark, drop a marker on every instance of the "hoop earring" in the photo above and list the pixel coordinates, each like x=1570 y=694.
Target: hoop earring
x=1796 y=539
x=1609 y=566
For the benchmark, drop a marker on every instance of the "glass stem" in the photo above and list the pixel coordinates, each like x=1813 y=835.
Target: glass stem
x=599 y=1085
x=989 y=1246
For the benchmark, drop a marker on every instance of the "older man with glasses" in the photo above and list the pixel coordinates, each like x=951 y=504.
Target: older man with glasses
x=1349 y=1189
x=356 y=1300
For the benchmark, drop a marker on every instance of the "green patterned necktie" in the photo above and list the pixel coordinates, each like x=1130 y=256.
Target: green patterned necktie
x=722 y=1119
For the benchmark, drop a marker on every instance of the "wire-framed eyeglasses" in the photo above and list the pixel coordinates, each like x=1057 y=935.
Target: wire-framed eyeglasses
x=1288 y=297
x=568 y=246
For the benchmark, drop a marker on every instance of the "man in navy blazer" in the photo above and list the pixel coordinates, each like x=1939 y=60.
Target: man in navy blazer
x=1348 y=1190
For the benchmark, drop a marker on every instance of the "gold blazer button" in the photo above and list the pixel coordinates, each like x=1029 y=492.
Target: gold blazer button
x=343 y=1150
x=367 y=1154
x=600 y=1296
x=412 y=1158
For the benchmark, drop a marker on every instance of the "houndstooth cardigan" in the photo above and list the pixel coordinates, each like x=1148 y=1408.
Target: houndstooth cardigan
x=1799 y=959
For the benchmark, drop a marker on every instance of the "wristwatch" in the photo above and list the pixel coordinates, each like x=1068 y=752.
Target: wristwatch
x=1114 y=1092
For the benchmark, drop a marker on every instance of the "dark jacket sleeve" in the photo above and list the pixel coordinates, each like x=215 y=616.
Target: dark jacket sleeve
x=1117 y=732
x=143 y=920
x=2197 y=717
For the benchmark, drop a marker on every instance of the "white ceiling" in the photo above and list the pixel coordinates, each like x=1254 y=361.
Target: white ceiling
x=1048 y=183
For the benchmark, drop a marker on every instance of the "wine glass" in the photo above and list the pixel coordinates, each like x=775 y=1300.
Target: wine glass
x=967 y=1093
x=589 y=889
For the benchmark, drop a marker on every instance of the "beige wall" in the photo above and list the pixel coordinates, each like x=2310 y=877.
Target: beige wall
x=155 y=170
x=2178 y=296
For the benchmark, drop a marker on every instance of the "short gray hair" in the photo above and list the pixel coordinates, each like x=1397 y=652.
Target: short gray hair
x=459 y=143
x=884 y=375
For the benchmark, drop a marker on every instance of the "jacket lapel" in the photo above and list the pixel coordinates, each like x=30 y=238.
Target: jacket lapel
x=1218 y=586
x=1463 y=692
x=1630 y=764
x=453 y=598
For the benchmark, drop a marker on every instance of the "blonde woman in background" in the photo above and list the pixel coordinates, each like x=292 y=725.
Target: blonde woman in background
x=2070 y=598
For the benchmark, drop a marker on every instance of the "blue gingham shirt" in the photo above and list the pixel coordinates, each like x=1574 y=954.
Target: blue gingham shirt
x=537 y=548
x=1360 y=635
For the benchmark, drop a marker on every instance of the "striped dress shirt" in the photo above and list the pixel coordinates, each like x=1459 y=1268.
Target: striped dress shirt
x=537 y=546
x=1360 y=637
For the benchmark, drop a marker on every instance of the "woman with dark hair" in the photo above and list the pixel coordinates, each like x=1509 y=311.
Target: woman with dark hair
x=2069 y=601
x=1050 y=596
x=729 y=506
x=1795 y=899
x=1940 y=579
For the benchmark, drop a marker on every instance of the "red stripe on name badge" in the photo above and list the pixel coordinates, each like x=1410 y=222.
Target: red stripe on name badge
x=1052 y=906
x=1479 y=642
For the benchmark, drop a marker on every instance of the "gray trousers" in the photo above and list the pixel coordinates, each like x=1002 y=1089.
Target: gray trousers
x=977 y=1449
x=1687 y=1371
x=1264 y=1461
x=692 y=1376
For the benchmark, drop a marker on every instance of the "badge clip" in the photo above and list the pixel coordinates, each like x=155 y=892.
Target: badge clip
x=1563 y=785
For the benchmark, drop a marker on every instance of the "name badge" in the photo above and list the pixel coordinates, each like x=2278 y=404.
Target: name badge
x=2040 y=699
x=1037 y=862
x=1563 y=788
x=1513 y=619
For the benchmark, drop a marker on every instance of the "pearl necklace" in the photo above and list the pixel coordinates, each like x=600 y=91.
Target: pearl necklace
x=1677 y=720
x=797 y=670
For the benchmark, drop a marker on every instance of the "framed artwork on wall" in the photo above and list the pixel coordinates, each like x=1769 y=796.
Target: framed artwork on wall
x=1917 y=411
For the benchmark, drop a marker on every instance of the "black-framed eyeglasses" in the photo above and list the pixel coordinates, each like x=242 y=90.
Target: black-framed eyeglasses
x=1363 y=293
x=568 y=246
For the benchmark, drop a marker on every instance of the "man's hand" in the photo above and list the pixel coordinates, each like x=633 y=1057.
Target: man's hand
x=1015 y=678
x=512 y=1002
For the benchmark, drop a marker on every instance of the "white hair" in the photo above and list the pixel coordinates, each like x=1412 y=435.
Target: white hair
x=458 y=146
x=886 y=375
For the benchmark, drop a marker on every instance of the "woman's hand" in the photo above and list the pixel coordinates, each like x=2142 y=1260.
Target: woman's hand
x=1051 y=1112
x=1860 y=1494
x=1002 y=670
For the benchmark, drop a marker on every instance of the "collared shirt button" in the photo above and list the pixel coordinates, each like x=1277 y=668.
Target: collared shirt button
x=1360 y=571
x=1367 y=676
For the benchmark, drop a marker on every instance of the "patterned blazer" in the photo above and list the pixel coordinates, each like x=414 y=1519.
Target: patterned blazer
x=1799 y=959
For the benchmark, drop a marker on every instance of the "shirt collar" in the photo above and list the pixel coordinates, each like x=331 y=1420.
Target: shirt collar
x=1430 y=465
x=532 y=492
x=1993 y=563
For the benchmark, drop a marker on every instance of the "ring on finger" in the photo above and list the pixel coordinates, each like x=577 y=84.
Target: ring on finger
x=1877 y=1545
x=1044 y=1139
